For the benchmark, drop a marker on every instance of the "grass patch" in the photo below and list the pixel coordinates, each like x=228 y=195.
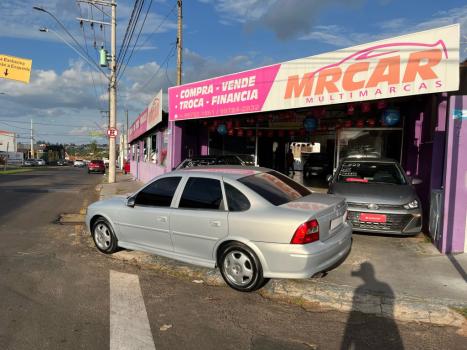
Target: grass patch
x=14 y=171
x=461 y=310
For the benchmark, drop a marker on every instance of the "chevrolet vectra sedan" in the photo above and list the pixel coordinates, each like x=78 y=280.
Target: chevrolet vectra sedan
x=380 y=197
x=253 y=223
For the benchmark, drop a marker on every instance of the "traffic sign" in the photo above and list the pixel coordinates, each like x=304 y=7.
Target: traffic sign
x=15 y=68
x=112 y=132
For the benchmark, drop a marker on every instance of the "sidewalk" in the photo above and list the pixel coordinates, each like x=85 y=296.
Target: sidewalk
x=401 y=277
x=125 y=184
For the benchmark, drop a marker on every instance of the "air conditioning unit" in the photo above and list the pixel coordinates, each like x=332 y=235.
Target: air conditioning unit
x=436 y=207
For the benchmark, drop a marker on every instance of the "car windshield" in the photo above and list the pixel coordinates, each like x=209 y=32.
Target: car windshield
x=276 y=188
x=198 y=162
x=371 y=172
x=247 y=158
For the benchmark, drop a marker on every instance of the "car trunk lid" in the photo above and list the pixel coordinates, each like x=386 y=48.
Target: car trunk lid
x=329 y=210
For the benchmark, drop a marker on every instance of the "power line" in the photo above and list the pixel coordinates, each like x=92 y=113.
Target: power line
x=169 y=55
x=158 y=27
x=13 y=126
x=99 y=104
x=136 y=42
x=39 y=123
x=129 y=31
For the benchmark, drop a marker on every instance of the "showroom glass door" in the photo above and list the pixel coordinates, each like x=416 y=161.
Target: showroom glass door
x=369 y=143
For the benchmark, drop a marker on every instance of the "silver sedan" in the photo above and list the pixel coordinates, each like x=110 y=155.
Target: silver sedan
x=253 y=223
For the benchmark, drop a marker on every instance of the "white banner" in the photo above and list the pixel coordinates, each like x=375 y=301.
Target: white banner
x=155 y=111
x=413 y=64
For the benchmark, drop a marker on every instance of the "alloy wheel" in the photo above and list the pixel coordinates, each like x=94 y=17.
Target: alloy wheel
x=238 y=268
x=102 y=236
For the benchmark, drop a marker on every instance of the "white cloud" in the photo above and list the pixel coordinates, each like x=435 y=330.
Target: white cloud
x=19 y=20
x=287 y=19
x=340 y=36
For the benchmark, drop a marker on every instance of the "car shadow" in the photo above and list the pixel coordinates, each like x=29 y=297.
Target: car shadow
x=364 y=331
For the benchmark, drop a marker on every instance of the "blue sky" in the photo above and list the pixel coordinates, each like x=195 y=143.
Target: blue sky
x=220 y=36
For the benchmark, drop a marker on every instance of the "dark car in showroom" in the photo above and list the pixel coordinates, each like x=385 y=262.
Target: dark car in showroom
x=317 y=164
x=96 y=166
x=381 y=198
x=230 y=159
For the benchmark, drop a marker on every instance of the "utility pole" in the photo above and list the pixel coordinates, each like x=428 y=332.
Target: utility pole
x=32 y=142
x=125 y=139
x=6 y=156
x=179 y=43
x=113 y=91
x=113 y=75
x=172 y=127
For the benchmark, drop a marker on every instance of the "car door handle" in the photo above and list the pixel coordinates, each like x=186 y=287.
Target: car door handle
x=215 y=223
x=161 y=219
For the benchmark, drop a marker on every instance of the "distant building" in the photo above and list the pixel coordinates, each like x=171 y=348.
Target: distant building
x=7 y=141
x=50 y=153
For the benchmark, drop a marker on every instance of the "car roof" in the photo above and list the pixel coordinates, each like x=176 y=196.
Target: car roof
x=233 y=172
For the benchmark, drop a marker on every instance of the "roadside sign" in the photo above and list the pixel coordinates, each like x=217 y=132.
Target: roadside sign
x=15 y=68
x=112 y=132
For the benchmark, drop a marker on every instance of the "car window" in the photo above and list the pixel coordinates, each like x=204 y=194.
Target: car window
x=276 y=188
x=371 y=172
x=236 y=200
x=159 y=193
x=202 y=193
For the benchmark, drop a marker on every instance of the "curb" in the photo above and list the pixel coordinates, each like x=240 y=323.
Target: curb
x=309 y=293
x=72 y=219
x=312 y=292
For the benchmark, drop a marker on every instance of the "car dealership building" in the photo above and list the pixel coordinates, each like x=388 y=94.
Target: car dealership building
x=403 y=98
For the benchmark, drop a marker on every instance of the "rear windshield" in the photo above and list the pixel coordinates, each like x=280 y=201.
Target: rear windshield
x=276 y=188
x=371 y=172
x=97 y=161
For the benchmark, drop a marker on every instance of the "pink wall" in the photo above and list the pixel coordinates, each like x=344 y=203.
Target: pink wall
x=145 y=171
x=455 y=180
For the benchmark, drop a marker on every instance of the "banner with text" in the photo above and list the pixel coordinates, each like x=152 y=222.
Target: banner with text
x=139 y=126
x=155 y=110
x=413 y=64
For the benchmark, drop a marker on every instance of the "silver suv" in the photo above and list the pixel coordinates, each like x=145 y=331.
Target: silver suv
x=380 y=196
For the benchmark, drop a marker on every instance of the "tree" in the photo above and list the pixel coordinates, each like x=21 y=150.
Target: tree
x=93 y=148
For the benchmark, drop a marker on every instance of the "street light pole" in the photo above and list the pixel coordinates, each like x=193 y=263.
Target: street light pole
x=32 y=141
x=113 y=72
x=93 y=64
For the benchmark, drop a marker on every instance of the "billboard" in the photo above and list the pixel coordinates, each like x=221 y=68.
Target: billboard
x=139 y=126
x=149 y=118
x=155 y=110
x=413 y=64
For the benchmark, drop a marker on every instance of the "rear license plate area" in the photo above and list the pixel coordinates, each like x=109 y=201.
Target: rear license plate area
x=336 y=222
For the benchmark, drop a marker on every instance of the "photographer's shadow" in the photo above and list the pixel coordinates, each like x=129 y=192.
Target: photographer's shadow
x=364 y=331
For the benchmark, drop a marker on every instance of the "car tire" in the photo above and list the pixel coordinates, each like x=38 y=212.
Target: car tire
x=241 y=268
x=104 y=236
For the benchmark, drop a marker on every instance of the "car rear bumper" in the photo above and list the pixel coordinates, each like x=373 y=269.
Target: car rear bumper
x=304 y=261
x=399 y=222
x=96 y=170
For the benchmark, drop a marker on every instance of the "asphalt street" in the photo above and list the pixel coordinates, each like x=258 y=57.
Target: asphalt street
x=58 y=292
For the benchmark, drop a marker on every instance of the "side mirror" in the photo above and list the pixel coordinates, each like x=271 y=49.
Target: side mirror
x=329 y=178
x=416 y=181
x=130 y=202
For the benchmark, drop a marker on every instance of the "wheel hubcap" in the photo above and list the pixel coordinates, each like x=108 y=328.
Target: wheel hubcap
x=238 y=268
x=102 y=236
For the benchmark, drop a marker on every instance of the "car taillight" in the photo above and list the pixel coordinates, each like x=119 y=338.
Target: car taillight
x=306 y=233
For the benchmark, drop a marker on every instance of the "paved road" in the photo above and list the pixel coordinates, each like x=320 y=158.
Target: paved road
x=58 y=292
